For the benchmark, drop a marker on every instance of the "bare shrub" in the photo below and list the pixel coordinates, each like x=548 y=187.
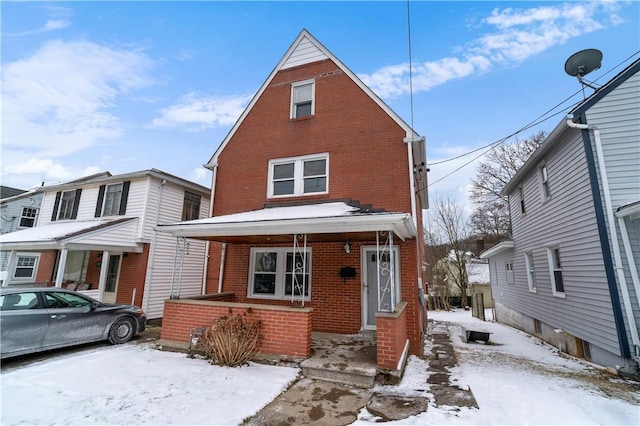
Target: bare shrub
x=231 y=340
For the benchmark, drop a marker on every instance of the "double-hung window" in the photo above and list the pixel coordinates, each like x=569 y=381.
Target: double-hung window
x=67 y=201
x=521 y=196
x=544 y=181
x=112 y=199
x=28 y=217
x=191 y=206
x=531 y=272
x=278 y=273
x=299 y=176
x=26 y=266
x=555 y=269
x=302 y=99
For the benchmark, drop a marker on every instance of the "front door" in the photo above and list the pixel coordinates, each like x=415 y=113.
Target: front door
x=377 y=272
x=111 y=284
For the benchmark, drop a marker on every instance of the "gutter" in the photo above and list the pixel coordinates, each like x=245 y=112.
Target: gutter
x=618 y=266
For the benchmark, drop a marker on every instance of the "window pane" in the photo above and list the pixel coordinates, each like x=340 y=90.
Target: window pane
x=303 y=109
x=302 y=93
x=559 y=283
x=66 y=205
x=283 y=187
x=112 y=198
x=191 y=206
x=283 y=171
x=264 y=284
x=266 y=262
x=23 y=272
x=299 y=263
x=12 y=302
x=556 y=258
x=299 y=284
x=315 y=168
x=315 y=185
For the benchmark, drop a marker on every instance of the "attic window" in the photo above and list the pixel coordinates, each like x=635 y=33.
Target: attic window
x=302 y=95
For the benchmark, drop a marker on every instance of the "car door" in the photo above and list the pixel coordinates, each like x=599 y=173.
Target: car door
x=24 y=322
x=72 y=319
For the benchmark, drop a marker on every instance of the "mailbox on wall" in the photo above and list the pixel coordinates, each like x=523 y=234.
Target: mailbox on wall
x=348 y=272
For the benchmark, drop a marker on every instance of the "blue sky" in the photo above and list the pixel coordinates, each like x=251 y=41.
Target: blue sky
x=127 y=86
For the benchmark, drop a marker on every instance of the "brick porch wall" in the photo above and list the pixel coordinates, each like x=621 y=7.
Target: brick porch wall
x=391 y=336
x=287 y=331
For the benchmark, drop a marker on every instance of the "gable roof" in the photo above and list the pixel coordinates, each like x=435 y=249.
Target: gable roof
x=7 y=191
x=304 y=50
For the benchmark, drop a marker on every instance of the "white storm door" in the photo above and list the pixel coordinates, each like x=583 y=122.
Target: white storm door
x=371 y=277
x=113 y=274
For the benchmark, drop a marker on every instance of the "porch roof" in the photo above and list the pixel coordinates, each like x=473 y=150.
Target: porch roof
x=99 y=234
x=324 y=221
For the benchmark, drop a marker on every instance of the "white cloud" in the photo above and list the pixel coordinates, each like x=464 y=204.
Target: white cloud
x=60 y=21
x=56 y=102
x=196 y=113
x=201 y=176
x=516 y=35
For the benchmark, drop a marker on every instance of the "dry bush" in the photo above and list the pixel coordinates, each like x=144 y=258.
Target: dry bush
x=231 y=340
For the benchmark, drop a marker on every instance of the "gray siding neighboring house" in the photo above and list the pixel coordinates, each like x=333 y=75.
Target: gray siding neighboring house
x=575 y=248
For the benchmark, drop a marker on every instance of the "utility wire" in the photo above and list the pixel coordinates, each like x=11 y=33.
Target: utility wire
x=538 y=120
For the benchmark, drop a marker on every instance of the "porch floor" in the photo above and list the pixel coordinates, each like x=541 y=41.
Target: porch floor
x=342 y=358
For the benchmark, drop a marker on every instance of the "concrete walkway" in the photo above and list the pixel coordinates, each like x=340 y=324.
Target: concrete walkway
x=320 y=402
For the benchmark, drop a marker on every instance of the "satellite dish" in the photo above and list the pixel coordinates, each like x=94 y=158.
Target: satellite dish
x=582 y=63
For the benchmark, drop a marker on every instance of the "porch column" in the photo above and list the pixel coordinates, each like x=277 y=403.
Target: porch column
x=11 y=268
x=104 y=268
x=62 y=263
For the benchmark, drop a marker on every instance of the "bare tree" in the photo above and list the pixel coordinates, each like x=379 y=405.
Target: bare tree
x=491 y=216
x=448 y=235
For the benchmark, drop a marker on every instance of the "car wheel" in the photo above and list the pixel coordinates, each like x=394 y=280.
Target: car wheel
x=121 y=331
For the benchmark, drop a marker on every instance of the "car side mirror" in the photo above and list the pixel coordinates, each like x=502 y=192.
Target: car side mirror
x=94 y=305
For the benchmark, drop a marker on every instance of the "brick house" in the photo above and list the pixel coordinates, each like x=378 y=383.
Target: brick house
x=95 y=235
x=317 y=197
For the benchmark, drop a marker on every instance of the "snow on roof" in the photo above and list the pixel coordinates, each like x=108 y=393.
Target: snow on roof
x=308 y=211
x=478 y=272
x=55 y=231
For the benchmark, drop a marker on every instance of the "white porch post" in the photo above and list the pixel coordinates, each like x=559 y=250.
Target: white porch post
x=62 y=263
x=104 y=268
x=11 y=268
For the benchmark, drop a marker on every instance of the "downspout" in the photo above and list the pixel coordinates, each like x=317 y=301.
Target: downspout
x=618 y=266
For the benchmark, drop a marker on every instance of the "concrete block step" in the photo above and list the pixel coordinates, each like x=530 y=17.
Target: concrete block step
x=354 y=378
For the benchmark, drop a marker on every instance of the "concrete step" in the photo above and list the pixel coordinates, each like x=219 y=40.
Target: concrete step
x=358 y=378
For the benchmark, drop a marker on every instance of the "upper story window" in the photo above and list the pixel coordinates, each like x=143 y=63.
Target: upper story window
x=521 y=196
x=544 y=181
x=555 y=268
x=112 y=199
x=66 y=205
x=299 y=176
x=191 y=206
x=302 y=99
x=28 y=217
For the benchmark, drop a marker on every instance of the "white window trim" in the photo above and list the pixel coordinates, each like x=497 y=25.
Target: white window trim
x=544 y=183
x=281 y=266
x=531 y=272
x=22 y=216
x=552 y=269
x=298 y=178
x=292 y=113
x=509 y=275
x=35 y=267
x=119 y=200
x=73 y=200
x=523 y=207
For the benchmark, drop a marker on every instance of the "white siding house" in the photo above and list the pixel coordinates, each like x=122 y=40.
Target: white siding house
x=97 y=235
x=575 y=249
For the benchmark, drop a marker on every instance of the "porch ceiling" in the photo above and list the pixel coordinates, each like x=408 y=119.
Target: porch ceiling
x=320 y=222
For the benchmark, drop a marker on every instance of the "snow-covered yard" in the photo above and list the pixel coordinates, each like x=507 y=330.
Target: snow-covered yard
x=516 y=380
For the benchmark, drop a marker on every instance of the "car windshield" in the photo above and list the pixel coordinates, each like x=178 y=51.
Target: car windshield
x=65 y=300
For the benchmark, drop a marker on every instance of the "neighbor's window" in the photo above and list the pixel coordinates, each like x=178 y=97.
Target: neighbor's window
x=66 y=205
x=275 y=273
x=299 y=176
x=544 y=181
x=112 y=199
x=521 y=196
x=531 y=272
x=509 y=269
x=191 y=206
x=28 y=217
x=555 y=268
x=302 y=95
x=26 y=266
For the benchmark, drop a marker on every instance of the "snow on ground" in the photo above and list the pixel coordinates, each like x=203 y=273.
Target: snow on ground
x=516 y=380
x=134 y=384
x=519 y=380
